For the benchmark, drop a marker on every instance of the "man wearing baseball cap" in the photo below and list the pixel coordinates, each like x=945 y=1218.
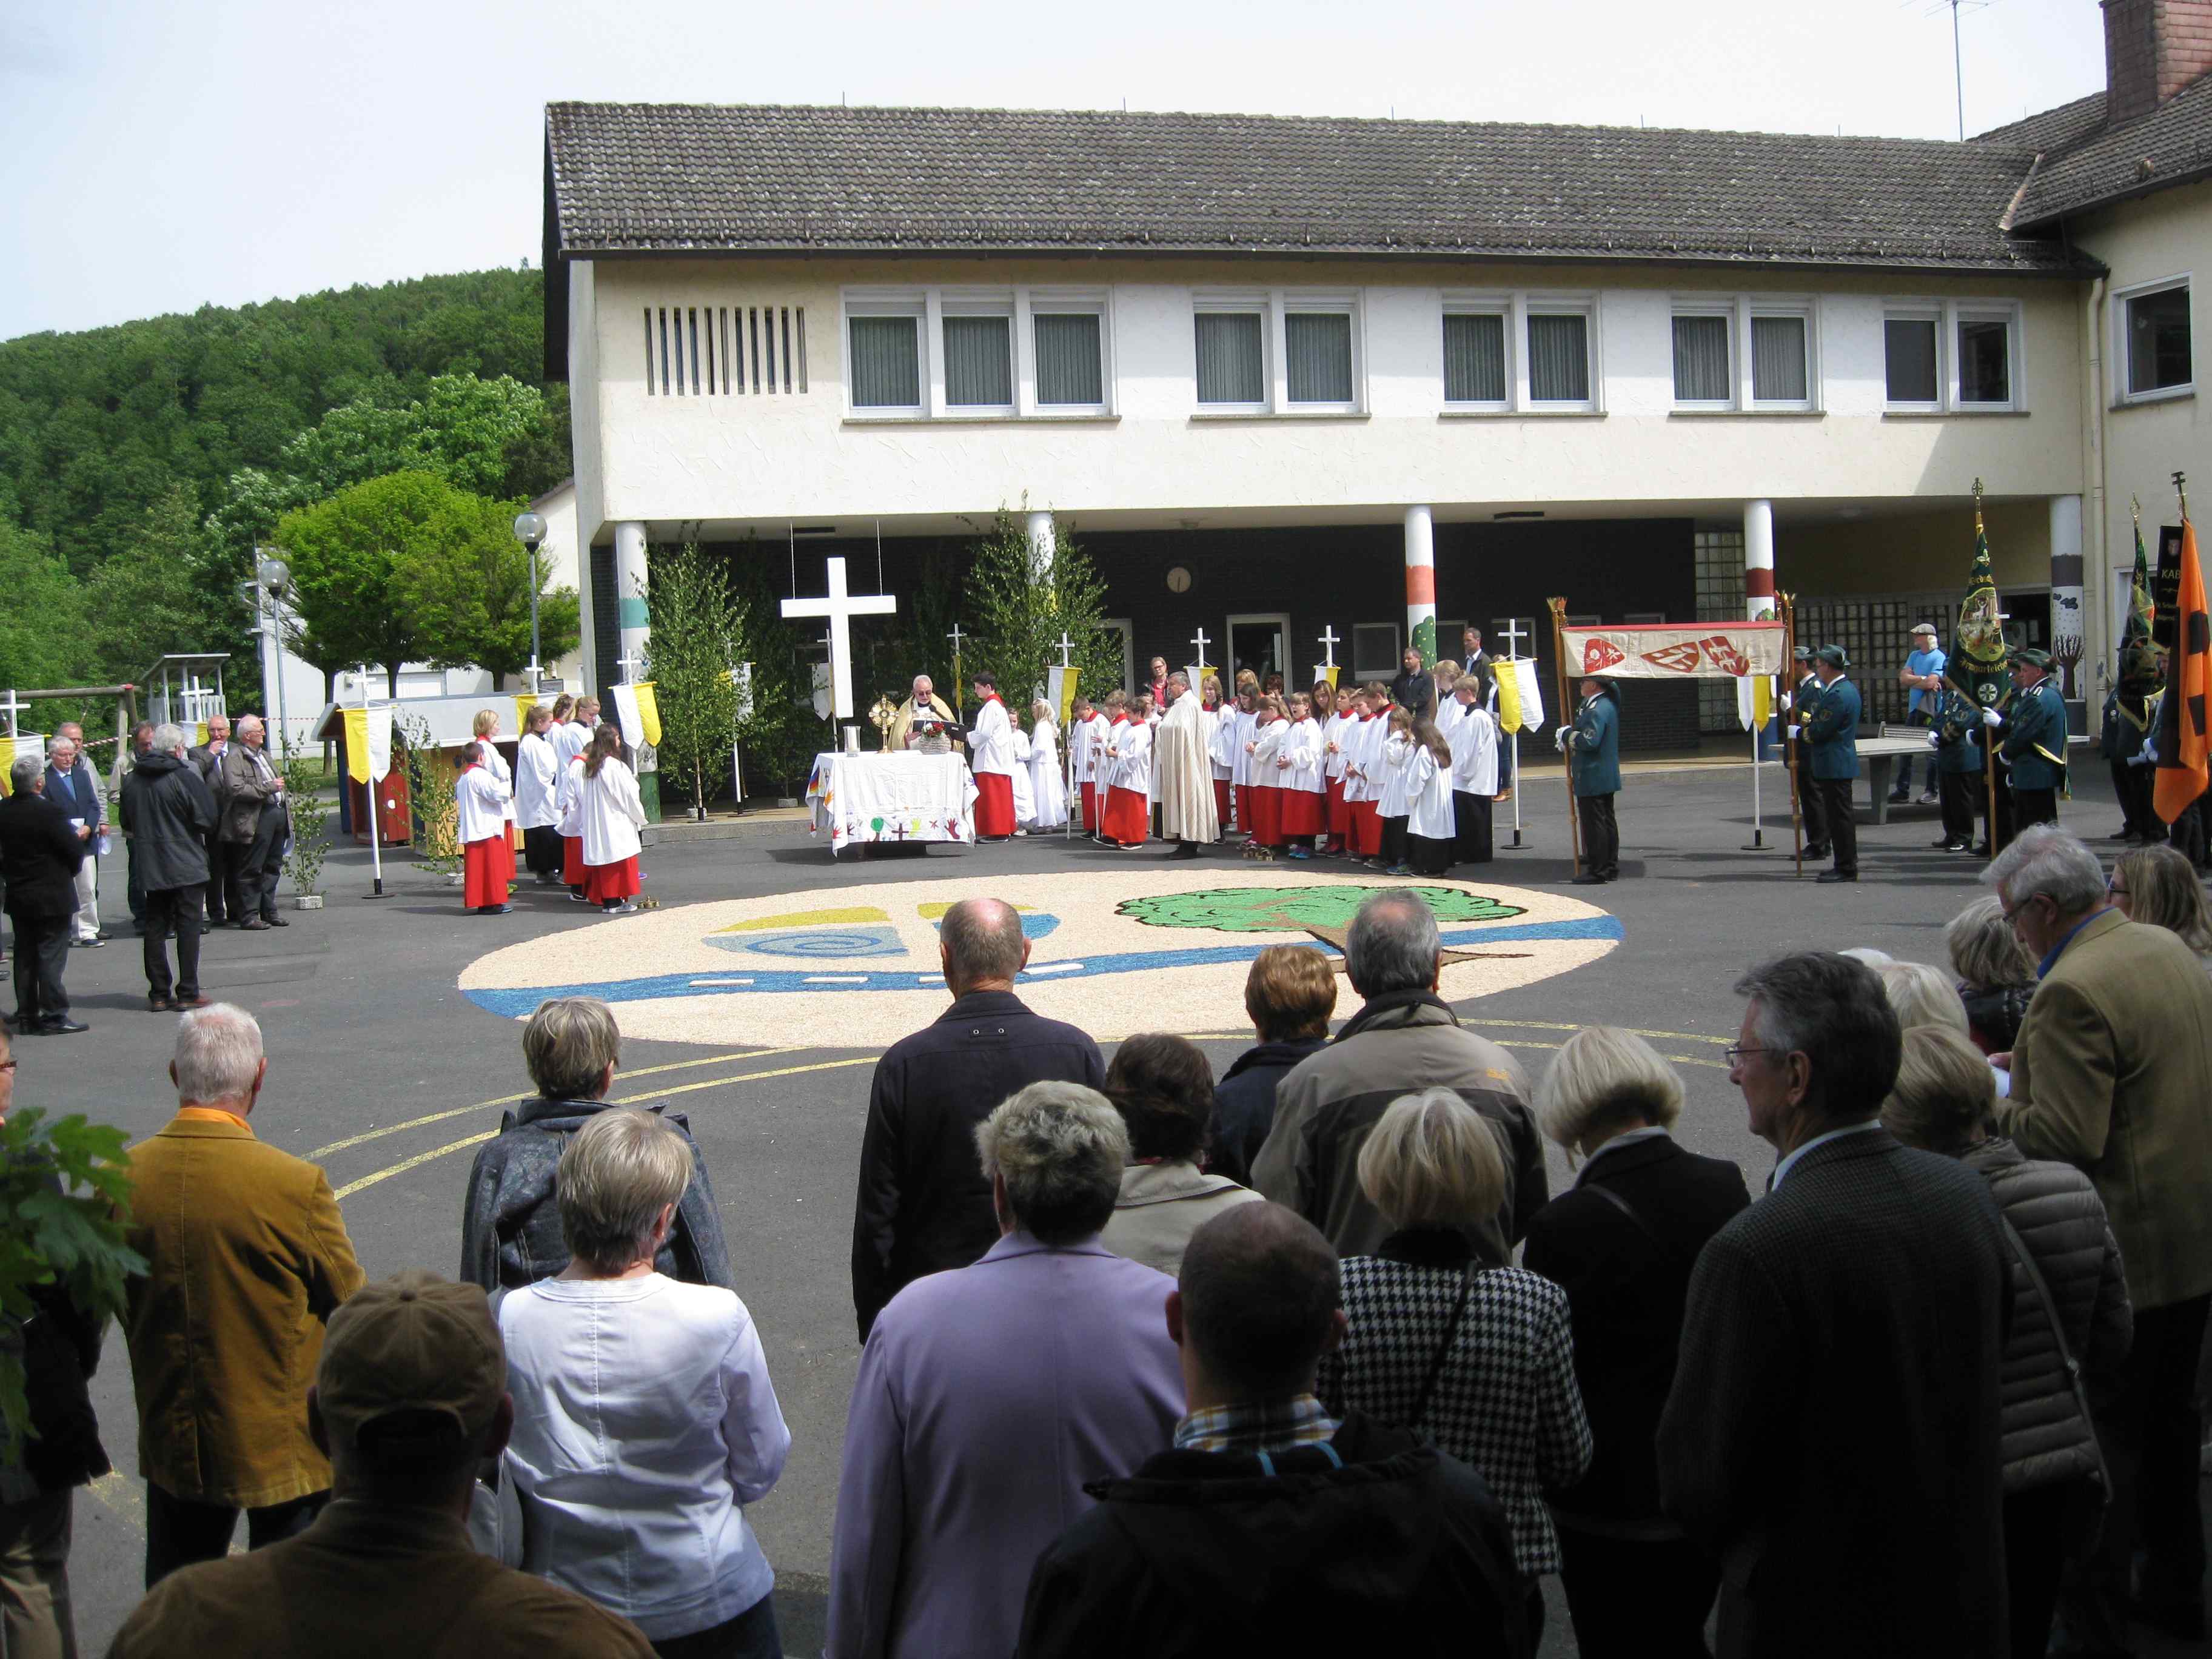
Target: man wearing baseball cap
x=1922 y=674
x=410 y=1395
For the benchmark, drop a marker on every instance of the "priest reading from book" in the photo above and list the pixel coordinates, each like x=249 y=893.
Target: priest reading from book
x=924 y=704
x=991 y=757
x=1182 y=770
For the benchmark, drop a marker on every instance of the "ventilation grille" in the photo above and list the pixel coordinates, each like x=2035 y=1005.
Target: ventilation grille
x=723 y=351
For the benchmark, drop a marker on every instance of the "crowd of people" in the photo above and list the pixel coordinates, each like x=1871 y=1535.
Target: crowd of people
x=1155 y=1363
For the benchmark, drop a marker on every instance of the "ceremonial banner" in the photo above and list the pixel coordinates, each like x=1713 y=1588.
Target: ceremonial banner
x=1532 y=692
x=1509 y=698
x=7 y=764
x=1975 y=665
x=1754 y=702
x=2184 y=767
x=1059 y=692
x=1329 y=672
x=1666 y=650
x=627 y=714
x=648 y=711
x=202 y=729
x=367 y=742
x=524 y=702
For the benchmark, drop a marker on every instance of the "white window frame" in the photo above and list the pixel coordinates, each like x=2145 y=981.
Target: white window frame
x=1283 y=303
x=1917 y=311
x=1499 y=306
x=1062 y=302
x=1584 y=306
x=917 y=303
x=1807 y=310
x=1956 y=311
x=1713 y=305
x=974 y=302
x=2123 y=299
x=1246 y=302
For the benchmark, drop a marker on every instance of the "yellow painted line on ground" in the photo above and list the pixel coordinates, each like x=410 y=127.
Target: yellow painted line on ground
x=1509 y=1024
x=509 y=1100
x=1680 y=1059
x=436 y=1153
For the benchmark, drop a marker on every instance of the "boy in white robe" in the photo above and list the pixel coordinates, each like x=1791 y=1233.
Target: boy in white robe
x=1473 y=772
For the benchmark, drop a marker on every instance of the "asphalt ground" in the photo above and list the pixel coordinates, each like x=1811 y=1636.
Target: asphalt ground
x=382 y=1070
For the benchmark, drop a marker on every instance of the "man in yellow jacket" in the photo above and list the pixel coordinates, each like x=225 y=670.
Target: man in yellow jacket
x=246 y=1259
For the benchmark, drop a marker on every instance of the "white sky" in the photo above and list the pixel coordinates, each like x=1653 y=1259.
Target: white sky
x=158 y=154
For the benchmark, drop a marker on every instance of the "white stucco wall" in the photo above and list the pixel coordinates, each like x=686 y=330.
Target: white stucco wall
x=763 y=458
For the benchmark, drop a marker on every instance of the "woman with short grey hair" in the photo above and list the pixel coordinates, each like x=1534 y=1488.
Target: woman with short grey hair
x=1996 y=974
x=1052 y=1153
x=1479 y=1357
x=1620 y=1242
x=645 y=1418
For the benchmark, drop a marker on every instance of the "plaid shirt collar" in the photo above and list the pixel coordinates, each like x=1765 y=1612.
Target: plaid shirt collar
x=1261 y=1426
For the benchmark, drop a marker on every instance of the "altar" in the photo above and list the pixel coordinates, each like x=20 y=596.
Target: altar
x=902 y=799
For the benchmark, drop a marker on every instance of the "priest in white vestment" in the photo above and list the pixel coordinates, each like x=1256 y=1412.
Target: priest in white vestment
x=1182 y=771
x=923 y=705
x=537 y=780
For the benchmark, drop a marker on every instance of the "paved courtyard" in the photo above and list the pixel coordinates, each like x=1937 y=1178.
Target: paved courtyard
x=756 y=997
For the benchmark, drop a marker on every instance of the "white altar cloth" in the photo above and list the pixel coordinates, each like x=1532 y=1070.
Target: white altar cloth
x=902 y=797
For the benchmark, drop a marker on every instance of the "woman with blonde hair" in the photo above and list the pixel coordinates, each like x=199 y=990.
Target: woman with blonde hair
x=2158 y=886
x=2070 y=1308
x=1431 y=829
x=1996 y=976
x=1394 y=805
x=485 y=726
x=1479 y=1357
x=613 y=815
x=480 y=802
x=1621 y=1242
x=1921 y=995
x=1048 y=786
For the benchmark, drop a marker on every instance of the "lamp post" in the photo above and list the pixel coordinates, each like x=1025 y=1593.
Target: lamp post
x=530 y=530
x=271 y=575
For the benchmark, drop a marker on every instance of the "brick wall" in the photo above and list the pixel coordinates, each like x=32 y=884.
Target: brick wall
x=2184 y=43
x=2152 y=49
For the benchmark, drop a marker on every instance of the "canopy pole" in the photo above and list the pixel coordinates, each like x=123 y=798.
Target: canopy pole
x=375 y=784
x=1566 y=709
x=1787 y=602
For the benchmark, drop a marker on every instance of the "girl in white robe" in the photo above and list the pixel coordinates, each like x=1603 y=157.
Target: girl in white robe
x=613 y=816
x=569 y=820
x=1429 y=825
x=1393 y=805
x=1474 y=780
x=1025 y=795
x=1047 y=788
x=486 y=726
x=482 y=803
x=1306 y=792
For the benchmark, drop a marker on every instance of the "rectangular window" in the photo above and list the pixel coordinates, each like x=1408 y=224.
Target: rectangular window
x=1778 y=361
x=886 y=362
x=1068 y=372
x=2158 y=341
x=1985 y=361
x=1232 y=360
x=1912 y=375
x=1559 y=357
x=1702 y=370
x=1474 y=358
x=979 y=362
x=1317 y=354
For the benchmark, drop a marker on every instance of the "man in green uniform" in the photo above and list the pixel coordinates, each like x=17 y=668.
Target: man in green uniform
x=1831 y=724
x=1812 y=810
x=1959 y=773
x=1592 y=746
x=2033 y=742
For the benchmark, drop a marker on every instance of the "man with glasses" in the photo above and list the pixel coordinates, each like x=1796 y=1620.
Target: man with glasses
x=1832 y=1435
x=2113 y=1073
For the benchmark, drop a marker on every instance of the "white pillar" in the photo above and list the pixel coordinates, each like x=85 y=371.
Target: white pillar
x=1042 y=544
x=1758 y=559
x=633 y=614
x=1421 y=582
x=2067 y=637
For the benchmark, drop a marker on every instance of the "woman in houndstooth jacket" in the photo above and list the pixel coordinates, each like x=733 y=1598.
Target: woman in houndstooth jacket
x=1481 y=1358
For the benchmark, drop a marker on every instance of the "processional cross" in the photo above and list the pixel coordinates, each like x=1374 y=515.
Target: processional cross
x=840 y=606
x=1329 y=643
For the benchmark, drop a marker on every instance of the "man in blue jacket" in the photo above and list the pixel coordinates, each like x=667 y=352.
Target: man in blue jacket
x=1832 y=726
x=1592 y=746
x=2033 y=746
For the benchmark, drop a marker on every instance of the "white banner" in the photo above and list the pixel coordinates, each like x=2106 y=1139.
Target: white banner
x=380 y=742
x=1667 y=651
x=626 y=715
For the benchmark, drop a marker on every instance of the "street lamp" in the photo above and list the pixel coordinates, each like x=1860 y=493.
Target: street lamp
x=272 y=576
x=530 y=530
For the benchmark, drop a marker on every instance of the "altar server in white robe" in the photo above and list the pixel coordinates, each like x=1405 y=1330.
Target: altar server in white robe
x=1025 y=786
x=1473 y=739
x=1182 y=770
x=1247 y=727
x=537 y=780
x=1394 y=778
x=1220 y=748
x=1342 y=719
x=1305 y=800
x=574 y=738
x=1429 y=825
x=569 y=820
x=1128 y=778
x=1048 y=788
x=991 y=757
x=1088 y=736
x=486 y=727
x=481 y=804
x=613 y=816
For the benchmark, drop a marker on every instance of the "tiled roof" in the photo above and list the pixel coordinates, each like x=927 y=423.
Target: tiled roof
x=658 y=179
x=2086 y=166
x=2050 y=129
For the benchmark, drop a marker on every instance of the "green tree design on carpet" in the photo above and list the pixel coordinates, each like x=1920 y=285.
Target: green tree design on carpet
x=1295 y=909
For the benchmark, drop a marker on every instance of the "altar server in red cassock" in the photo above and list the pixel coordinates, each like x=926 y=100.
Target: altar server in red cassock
x=481 y=804
x=613 y=816
x=1128 y=778
x=991 y=757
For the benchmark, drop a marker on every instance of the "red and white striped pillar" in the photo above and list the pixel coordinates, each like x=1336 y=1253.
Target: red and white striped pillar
x=1757 y=560
x=1421 y=583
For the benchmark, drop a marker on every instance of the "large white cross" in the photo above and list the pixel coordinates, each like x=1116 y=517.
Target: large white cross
x=12 y=708
x=841 y=607
x=1200 y=639
x=956 y=636
x=1512 y=635
x=629 y=664
x=1328 y=645
x=1066 y=648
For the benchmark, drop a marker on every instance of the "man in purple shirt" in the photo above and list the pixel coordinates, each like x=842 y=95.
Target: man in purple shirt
x=990 y=1394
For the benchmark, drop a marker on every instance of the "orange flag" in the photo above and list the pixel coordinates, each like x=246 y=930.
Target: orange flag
x=2182 y=771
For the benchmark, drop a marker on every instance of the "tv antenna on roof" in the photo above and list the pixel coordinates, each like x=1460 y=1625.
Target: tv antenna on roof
x=1958 y=69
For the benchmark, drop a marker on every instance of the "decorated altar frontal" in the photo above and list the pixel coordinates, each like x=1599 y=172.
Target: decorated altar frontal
x=902 y=799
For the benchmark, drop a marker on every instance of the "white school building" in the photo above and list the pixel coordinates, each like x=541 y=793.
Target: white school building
x=1283 y=375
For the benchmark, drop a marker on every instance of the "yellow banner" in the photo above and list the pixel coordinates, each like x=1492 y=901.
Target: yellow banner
x=649 y=712
x=524 y=702
x=356 y=743
x=7 y=763
x=1060 y=691
x=1762 y=701
x=202 y=729
x=1330 y=673
x=1509 y=700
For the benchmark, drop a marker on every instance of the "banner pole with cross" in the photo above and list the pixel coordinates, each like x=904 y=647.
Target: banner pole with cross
x=1066 y=722
x=1787 y=604
x=959 y=707
x=1559 y=656
x=1512 y=635
x=373 y=793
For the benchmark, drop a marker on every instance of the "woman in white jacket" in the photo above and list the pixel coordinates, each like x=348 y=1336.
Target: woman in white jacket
x=613 y=815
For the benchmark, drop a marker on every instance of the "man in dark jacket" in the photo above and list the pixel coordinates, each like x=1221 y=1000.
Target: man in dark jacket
x=207 y=760
x=39 y=857
x=168 y=812
x=1270 y=1527
x=924 y=1205
x=1405 y=1038
x=510 y=1221
x=1289 y=995
x=1832 y=1435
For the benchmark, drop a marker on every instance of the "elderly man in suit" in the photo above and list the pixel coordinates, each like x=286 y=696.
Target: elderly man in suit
x=246 y=1257
x=254 y=822
x=73 y=784
x=39 y=857
x=207 y=760
x=990 y=1399
x=1832 y=1435
x=2113 y=1073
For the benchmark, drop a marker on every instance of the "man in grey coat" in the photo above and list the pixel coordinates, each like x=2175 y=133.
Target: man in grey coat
x=1405 y=1038
x=1832 y=1435
x=255 y=822
x=168 y=812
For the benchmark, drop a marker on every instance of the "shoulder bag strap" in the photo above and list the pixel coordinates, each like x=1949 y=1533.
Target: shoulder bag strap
x=2026 y=1259
x=1633 y=1214
x=1444 y=1348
